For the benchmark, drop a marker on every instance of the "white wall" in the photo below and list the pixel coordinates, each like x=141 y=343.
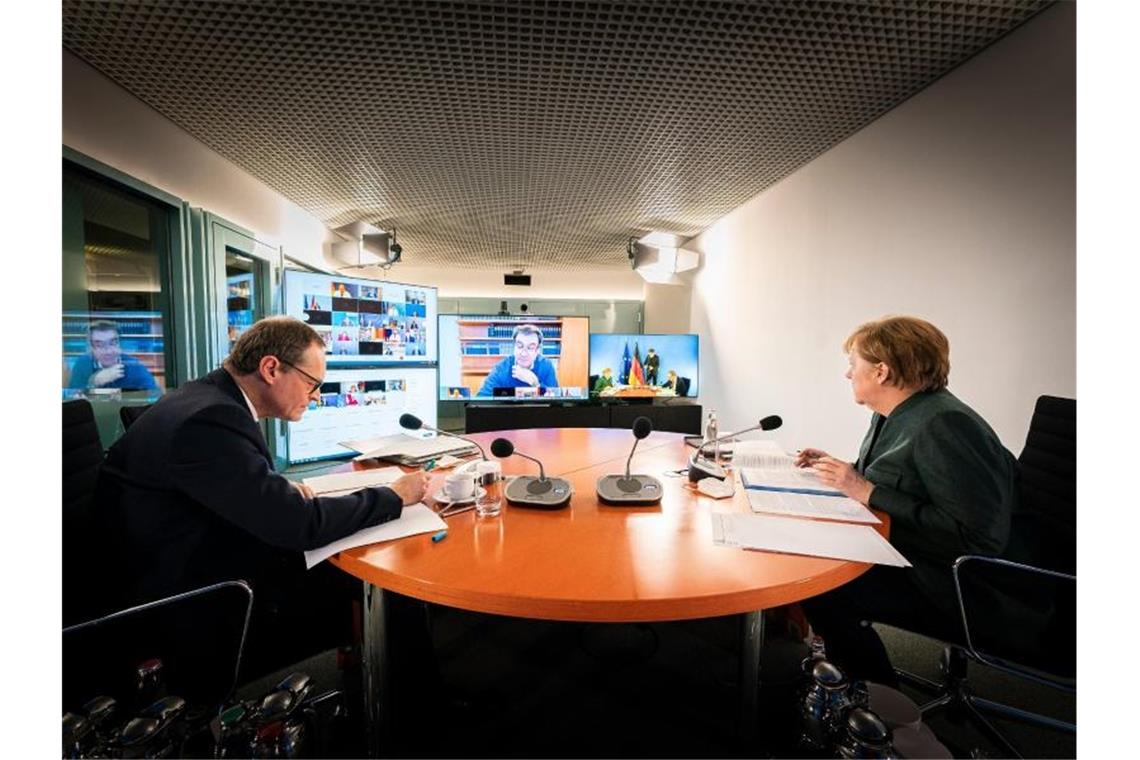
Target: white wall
x=667 y=308
x=958 y=206
x=104 y=121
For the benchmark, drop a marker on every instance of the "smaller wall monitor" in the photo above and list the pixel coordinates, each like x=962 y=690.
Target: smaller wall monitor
x=359 y=403
x=513 y=358
x=634 y=365
x=365 y=321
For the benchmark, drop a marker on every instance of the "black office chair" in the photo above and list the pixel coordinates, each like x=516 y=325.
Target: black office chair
x=128 y=414
x=1037 y=572
x=682 y=386
x=199 y=637
x=82 y=457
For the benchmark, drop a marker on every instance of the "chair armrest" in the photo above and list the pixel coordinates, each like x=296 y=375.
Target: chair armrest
x=993 y=561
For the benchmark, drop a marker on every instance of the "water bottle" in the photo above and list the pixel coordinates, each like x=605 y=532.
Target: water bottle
x=711 y=433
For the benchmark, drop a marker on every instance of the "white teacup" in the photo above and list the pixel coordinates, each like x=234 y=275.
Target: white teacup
x=459 y=486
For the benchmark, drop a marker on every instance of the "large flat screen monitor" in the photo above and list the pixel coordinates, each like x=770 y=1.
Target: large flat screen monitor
x=360 y=403
x=365 y=321
x=631 y=365
x=513 y=358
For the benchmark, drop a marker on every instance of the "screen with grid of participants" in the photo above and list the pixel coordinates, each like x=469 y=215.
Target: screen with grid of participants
x=360 y=403
x=365 y=321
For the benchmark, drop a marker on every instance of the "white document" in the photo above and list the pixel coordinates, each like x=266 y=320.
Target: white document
x=416 y=518
x=760 y=454
x=341 y=483
x=811 y=538
x=810 y=505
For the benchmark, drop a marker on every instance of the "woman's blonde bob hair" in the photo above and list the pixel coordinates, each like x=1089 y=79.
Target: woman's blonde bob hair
x=917 y=352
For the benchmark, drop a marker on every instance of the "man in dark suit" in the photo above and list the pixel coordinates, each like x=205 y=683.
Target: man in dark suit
x=189 y=497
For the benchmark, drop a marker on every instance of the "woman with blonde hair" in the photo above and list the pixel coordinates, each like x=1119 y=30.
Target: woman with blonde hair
x=931 y=463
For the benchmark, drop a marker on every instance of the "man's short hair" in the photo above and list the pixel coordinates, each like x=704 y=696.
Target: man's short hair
x=284 y=337
x=917 y=352
x=527 y=330
x=102 y=325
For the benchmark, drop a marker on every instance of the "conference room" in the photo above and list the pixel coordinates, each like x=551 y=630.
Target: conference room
x=569 y=379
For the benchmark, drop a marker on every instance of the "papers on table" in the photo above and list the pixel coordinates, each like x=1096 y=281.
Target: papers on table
x=407 y=447
x=766 y=454
x=775 y=485
x=787 y=535
x=341 y=483
x=809 y=505
x=416 y=518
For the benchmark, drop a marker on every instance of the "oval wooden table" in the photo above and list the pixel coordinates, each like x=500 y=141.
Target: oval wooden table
x=590 y=561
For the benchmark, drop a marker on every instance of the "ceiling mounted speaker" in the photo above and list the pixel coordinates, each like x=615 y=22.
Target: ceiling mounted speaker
x=516 y=279
x=365 y=246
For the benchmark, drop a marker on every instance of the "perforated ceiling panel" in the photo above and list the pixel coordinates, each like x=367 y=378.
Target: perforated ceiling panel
x=526 y=133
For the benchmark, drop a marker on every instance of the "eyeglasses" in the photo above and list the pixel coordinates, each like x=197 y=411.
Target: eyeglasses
x=316 y=383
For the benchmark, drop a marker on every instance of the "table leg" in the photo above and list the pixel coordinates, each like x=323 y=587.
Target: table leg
x=751 y=642
x=375 y=669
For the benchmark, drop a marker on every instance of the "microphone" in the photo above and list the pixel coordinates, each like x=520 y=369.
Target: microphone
x=412 y=422
x=631 y=490
x=700 y=468
x=528 y=491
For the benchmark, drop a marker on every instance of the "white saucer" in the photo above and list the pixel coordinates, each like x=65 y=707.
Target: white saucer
x=441 y=497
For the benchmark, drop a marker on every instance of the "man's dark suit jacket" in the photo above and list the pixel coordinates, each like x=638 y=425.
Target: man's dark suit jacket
x=190 y=498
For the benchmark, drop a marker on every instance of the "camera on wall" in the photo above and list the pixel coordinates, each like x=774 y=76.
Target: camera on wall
x=523 y=308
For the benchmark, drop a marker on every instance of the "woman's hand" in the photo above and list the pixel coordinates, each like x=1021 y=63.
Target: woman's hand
x=808 y=457
x=842 y=476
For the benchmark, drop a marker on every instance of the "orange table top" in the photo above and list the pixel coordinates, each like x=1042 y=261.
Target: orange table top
x=590 y=561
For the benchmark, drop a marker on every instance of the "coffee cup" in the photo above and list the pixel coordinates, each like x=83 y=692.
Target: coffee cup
x=459 y=486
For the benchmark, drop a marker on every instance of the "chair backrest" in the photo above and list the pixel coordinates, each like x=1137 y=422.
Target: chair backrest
x=82 y=457
x=1044 y=529
x=128 y=414
x=1023 y=616
x=682 y=386
x=198 y=635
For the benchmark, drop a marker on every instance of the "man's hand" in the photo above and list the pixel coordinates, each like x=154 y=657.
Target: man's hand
x=525 y=375
x=808 y=457
x=305 y=490
x=107 y=375
x=842 y=476
x=410 y=487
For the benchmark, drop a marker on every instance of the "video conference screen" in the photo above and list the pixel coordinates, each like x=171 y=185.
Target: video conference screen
x=513 y=358
x=365 y=321
x=644 y=365
x=357 y=404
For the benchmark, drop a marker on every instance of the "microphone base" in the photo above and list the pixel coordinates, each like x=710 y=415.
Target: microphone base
x=699 y=469
x=532 y=493
x=637 y=490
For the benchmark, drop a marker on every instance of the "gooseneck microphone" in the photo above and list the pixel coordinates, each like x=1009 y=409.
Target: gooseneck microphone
x=701 y=468
x=528 y=491
x=412 y=422
x=631 y=490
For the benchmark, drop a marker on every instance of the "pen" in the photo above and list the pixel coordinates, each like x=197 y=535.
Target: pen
x=439 y=537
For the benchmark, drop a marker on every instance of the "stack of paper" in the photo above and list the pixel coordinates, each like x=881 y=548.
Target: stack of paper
x=341 y=483
x=416 y=518
x=407 y=447
x=857 y=543
x=775 y=485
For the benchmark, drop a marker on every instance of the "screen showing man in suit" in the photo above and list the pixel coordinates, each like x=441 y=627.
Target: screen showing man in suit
x=105 y=365
x=526 y=367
